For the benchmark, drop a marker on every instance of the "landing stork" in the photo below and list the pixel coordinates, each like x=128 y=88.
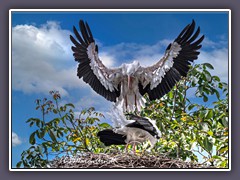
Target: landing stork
x=127 y=84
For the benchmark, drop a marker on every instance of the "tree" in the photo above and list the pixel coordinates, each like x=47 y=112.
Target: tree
x=191 y=130
x=58 y=132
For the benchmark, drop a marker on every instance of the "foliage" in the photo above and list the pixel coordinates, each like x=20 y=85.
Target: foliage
x=192 y=128
x=58 y=132
x=195 y=130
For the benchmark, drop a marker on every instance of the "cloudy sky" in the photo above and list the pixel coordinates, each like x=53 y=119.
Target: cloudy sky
x=42 y=59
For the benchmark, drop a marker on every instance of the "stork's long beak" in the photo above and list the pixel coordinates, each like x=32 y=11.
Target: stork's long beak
x=129 y=81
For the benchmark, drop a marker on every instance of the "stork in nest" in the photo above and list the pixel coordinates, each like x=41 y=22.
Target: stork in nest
x=134 y=131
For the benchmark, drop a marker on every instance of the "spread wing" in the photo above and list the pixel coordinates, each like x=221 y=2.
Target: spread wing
x=159 y=79
x=103 y=80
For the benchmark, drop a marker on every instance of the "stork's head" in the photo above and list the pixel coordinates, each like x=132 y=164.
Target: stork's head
x=129 y=70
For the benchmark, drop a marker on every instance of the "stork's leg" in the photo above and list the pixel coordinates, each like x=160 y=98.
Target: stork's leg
x=134 y=147
x=126 y=147
x=135 y=101
x=126 y=102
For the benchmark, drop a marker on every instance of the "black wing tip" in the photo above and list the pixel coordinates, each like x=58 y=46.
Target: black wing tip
x=86 y=24
x=86 y=32
x=74 y=28
x=81 y=24
x=193 y=23
x=81 y=21
x=199 y=41
x=189 y=34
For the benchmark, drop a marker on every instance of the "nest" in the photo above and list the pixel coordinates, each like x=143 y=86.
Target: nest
x=120 y=160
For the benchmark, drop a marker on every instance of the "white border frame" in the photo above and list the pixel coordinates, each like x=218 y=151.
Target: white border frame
x=115 y=10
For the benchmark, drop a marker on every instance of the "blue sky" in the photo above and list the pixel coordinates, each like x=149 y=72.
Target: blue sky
x=42 y=59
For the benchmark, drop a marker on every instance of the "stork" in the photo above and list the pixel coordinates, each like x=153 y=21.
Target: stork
x=127 y=84
x=134 y=131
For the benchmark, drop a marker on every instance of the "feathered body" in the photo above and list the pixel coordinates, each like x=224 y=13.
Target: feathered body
x=137 y=130
x=127 y=84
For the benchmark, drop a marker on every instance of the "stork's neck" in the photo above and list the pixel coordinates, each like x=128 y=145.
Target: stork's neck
x=130 y=69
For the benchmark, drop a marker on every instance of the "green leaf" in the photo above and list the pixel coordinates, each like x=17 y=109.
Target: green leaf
x=29 y=120
x=207 y=75
x=55 y=111
x=209 y=114
x=18 y=165
x=223 y=164
x=40 y=150
x=206 y=90
x=41 y=133
x=62 y=108
x=208 y=65
x=65 y=131
x=216 y=78
x=32 y=139
x=216 y=157
x=208 y=122
x=87 y=141
x=191 y=106
x=210 y=133
x=205 y=98
x=104 y=125
x=31 y=124
x=170 y=94
x=52 y=136
x=32 y=120
x=70 y=104
x=200 y=142
x=223 y=149
x=224 y=121
x=181 y=97
x=217 y=93
x=220 y=85
x=38 y=122
x=207 y=145
x=200 y=89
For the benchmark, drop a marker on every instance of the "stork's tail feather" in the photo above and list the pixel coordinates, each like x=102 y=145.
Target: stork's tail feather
x=108 y=137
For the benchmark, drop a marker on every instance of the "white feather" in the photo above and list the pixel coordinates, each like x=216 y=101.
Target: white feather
x=133 y=134
x=159 y=73
x=98 y=70
x=117 y=117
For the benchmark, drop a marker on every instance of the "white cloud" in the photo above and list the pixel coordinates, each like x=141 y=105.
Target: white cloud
x=15 y=139
x=219 y=59
x=216 y=54
x=107 y=59
x=42 y=59
x=92 y=99
x=208 y=43
x=145 y=54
